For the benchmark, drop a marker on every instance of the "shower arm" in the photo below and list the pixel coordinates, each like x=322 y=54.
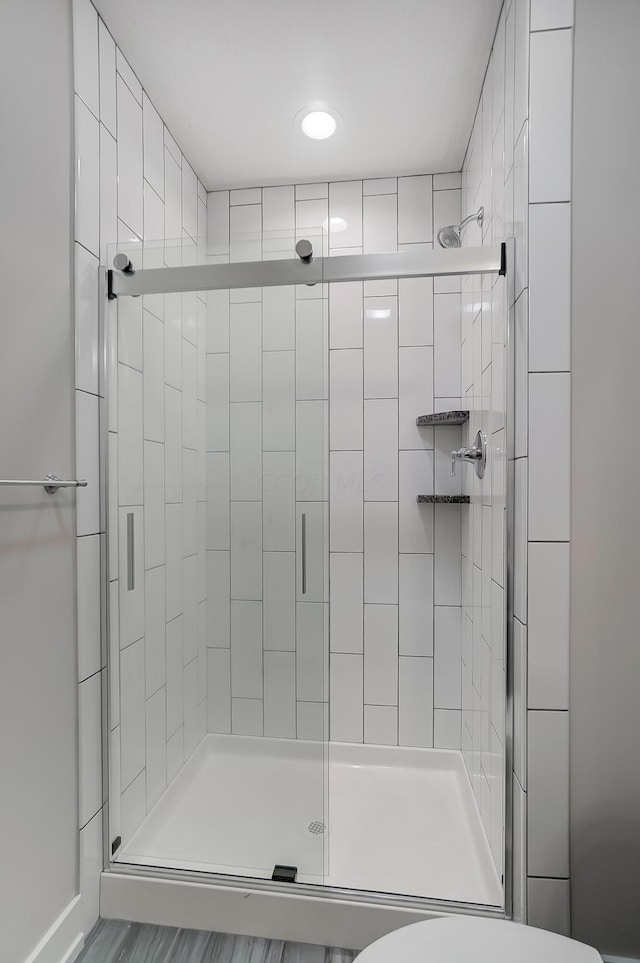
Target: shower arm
x=479 y=216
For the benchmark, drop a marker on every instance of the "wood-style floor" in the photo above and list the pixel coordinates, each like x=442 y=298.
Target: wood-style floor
x=112 y=941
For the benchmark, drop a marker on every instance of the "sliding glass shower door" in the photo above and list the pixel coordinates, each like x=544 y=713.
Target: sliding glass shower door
x=219 y=587
x=218 y=584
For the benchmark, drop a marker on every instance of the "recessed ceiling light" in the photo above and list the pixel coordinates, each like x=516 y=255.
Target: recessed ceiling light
x=318 y=124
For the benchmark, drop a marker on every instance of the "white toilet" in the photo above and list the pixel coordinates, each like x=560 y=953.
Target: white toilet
x=473 y=939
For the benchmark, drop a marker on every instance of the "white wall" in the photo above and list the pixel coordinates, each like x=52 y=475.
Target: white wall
x=605 y=531
x=134 y=183
x=38 y=741
x=394 y=565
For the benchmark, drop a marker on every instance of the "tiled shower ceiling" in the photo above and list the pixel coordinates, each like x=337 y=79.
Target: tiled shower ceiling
x=229 y=77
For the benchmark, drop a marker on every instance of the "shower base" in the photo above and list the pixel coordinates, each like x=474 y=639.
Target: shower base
x=386 y=820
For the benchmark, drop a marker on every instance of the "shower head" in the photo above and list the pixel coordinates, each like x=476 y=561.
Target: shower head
x=450 y=235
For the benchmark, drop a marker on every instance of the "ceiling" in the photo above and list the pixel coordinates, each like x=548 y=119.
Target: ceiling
x=229 y=77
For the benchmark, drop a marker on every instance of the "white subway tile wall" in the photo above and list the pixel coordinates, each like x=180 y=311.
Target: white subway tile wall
x=133 y=183
x=94 y=207
x=525 y=187
x=268 y=429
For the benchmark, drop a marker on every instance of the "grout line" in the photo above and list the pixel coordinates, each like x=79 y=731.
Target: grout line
x=88 y=249
x=96 y=813
x=85 y=104
x=549 y=541
x=544 y=709
x=551 y=29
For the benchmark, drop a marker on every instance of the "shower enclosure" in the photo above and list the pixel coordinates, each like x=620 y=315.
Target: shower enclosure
x=280 y=444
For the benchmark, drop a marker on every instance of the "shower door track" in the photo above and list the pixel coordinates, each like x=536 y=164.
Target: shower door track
x=313 y=890
x=321 y=270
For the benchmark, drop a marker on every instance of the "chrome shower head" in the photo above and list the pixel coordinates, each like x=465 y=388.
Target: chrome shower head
x=450 y=236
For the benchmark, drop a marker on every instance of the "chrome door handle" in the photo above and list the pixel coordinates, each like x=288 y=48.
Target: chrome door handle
x=131 y=556
x=303 y=524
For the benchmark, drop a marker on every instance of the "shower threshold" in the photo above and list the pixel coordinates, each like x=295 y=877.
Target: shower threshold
x=386 y=820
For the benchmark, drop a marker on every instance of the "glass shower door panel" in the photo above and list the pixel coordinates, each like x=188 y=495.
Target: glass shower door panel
x=266 y=417
x=218 y=581
x=157 y=530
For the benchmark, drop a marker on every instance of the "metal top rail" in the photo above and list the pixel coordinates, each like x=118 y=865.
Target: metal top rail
x=128 y=280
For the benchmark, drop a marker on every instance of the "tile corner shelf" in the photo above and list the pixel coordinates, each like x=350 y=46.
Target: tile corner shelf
x=442 y=418
x=443 y=499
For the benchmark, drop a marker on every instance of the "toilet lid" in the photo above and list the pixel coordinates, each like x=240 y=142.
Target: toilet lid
x=473 y=939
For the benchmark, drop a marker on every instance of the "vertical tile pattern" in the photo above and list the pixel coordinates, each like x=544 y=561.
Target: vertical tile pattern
x=95 y=226
x=134 y=184
x=90 y=766
x=548 y=904
x=551 y=65
x=266 y=439
x=548 y=794
x=87 y=151
x=525 y=188
x=475 y=632
x=267 y=431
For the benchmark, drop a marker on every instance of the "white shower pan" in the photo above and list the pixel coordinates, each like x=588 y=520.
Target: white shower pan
x=391 y=820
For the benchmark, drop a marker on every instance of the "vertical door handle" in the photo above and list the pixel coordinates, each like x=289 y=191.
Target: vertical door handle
x=131 y=557
x=304 y=552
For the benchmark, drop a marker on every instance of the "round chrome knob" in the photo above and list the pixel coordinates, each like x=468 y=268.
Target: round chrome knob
x=304 y=250
x=121 y=262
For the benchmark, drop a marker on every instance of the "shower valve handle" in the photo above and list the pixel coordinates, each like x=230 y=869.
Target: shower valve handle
x=475 y=454
x=464 y=454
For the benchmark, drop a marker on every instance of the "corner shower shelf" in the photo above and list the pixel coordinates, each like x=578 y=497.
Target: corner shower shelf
x=443 y=499
x=442 y=418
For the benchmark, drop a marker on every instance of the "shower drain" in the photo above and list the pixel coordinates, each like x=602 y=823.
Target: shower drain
x=316 y=828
